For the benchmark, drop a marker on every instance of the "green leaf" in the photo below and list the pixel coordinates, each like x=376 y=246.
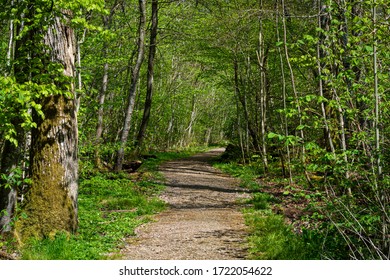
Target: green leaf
x=278 y=44
x=272 y=135
x=368 y=48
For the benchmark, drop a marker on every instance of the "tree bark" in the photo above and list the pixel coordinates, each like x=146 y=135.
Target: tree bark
x=79 y=76
x=107 y=21
x=376 y=93
x=261 y=56
x=51 y=201
x=150 y=75
x=242 y=99
x=133 y=86
x=11 y=158
x=101 y=99
x=100 y=114
x=10 y=50
x=187 y=140
x=320 y=56
x=284 y=94
x=8 y=195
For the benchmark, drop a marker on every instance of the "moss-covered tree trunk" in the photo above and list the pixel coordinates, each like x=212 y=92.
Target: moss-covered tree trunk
x=51 y=202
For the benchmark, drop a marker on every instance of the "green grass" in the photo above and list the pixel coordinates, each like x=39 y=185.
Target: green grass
x=246 y=173
x=109 y=210
x=111 y=206
x=270 y=237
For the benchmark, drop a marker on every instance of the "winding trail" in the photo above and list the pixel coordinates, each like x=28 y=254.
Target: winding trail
x=203 y=222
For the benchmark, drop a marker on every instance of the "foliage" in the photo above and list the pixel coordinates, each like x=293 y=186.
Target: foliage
x=270 y=237
x=14 y=179
x=333 y=228
x=361 y=222
x=16 y=102
x=301 y=86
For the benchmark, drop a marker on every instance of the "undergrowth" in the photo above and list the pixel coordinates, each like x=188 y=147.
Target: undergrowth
x=316 y=219
x=270 y=237
x=111 y=205
x=109 y=211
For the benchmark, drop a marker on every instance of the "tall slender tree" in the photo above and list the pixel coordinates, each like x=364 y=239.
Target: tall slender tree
x=150 y=74
x=133 y=86
x=107 y=23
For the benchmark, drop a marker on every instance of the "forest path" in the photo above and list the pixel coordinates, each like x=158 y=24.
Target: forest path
x=203 y=220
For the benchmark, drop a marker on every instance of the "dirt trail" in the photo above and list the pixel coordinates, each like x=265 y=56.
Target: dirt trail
x=204 y=221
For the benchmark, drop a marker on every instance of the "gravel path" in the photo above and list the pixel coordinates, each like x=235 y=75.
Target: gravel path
x=203 y=222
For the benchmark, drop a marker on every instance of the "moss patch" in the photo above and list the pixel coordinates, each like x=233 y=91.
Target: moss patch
x=50 y=205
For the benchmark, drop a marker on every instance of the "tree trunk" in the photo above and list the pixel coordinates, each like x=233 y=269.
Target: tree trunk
x=376 y=94
x=8 y=198
x=11 y=158
x=10 y=50
x=150 y=75
x=79 y=77
x=284 y=94
x=242 y=99
x=303 y=152
x=239 y=130
x=107 y=20
x=101 y=99
x=320 y=56
x=100 y=114
x=51 y=201
x=187 y=140
x=133 y=86
x=8 y=162
x=261 y=56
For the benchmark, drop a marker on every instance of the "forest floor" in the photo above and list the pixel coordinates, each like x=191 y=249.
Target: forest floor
x=203 y=221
